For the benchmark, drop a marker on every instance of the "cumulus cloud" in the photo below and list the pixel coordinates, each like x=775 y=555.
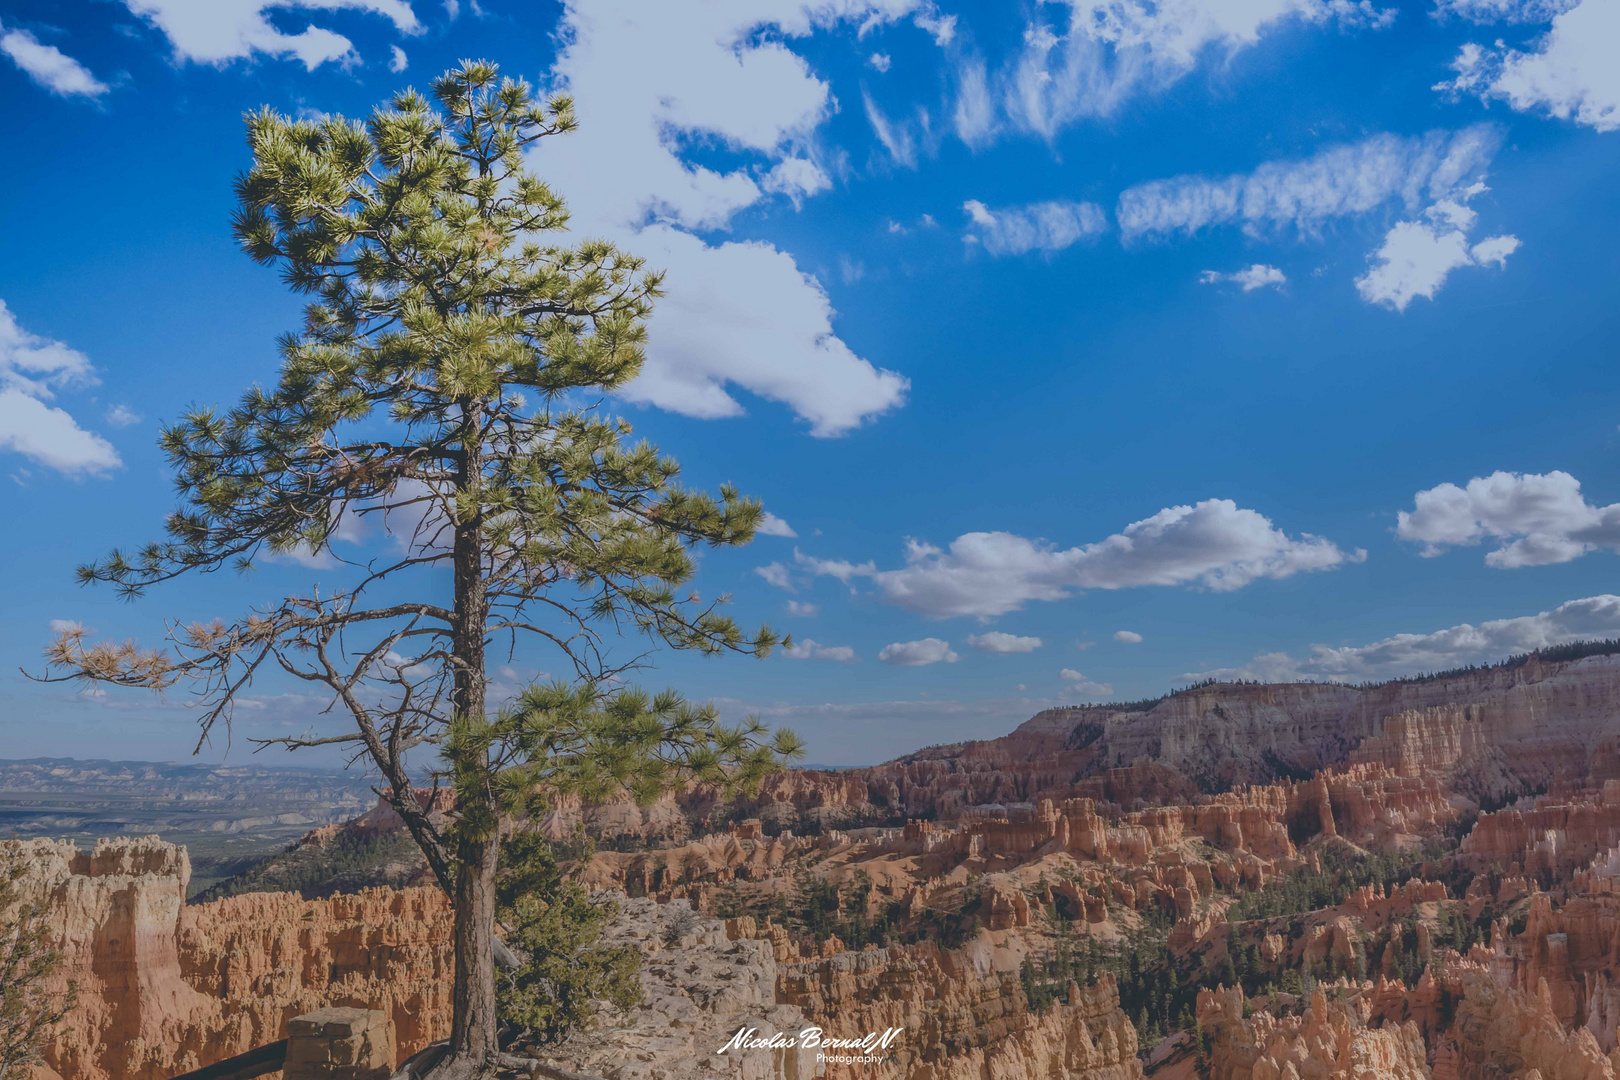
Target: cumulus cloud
x=1417 y=256
x=1257 y=276
x=1084 y=686
x=653 y=79
x=878 y=61
x=842 y=569
x=997 y=642
x=1412 y=654
x=771 y=525
x=1570 y=72
x=1340 y=181
x=1540 y=519
x=776 y=574
x=1041 y=226
x=49 y=66
x=918 y=653
x=1096 y=54
x=807 y=649
x=122 y=416
x=398 y=61
x=1215 y=544
x=802 y=610
x=219 y=31
x=32 y=370
x=1129 y=637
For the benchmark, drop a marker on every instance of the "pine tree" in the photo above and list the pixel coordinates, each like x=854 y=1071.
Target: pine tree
x=447 y=384
x=30 y=1006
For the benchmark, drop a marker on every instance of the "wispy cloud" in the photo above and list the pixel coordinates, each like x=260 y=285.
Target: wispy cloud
x=1305 y=194
x=1455 y=646
x=1041 y=226
x=1257 y=276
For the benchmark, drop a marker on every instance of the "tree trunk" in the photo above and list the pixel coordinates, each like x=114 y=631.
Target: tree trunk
x=473 y=1024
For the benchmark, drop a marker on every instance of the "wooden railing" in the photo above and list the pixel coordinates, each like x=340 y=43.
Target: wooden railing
x=256 y=1062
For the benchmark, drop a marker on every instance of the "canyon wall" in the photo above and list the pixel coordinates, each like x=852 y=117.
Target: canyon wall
x=1489 y=734
x=165 y=987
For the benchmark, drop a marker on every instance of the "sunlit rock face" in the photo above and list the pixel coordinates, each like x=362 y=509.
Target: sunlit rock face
x=1330 y=1039
x=165 y=987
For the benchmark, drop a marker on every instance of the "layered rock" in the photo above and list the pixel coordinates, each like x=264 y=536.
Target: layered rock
x=165 y=988
x=1330 y=1039
x=1502 y=1031
x=1551 y=837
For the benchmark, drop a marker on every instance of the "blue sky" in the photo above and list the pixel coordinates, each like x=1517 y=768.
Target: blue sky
x=1079 y=350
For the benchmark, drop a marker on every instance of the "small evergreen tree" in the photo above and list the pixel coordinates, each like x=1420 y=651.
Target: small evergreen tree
x=553 y=921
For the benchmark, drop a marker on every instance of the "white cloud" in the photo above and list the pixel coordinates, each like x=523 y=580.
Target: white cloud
x=802 y=610
x=219 y=31
x=878 y=61
x=918 y=653
x=776 y=574
x=942 y=28
x=841 y=569
x=1542 y=518
x=1257 y=276
x=1416 y=257
x=122 y=416
x=1340 y=181
x=1571 y=71
x=1042 y=226
x=49 y=66
x=651 y=79
x=997 y=642
x=974 y=116
x=1215 y=544
x=771 y=525
x=904 y=140
x=1129 y=637
x=1411 y=654
x=32 y=369
x=806 y=649
x=399 y=61
x=38 y=366
x=1105 y=53
x=51 y=437
x=1512 y=11
x=1082 y=685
